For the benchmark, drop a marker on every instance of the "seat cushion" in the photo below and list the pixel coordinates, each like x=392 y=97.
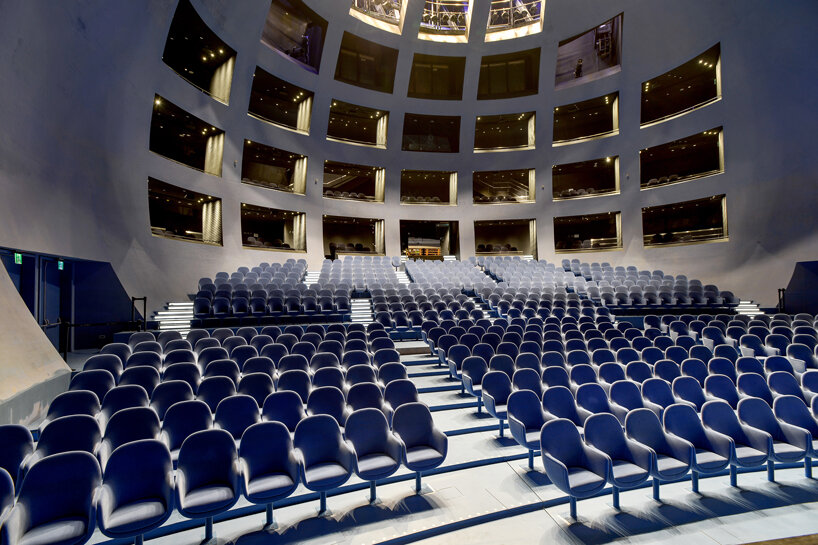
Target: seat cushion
x=57 y=532
x=271 y=485
x=325 y=476
x=750 y=457
x=135 y=517
x=581 y=481
x=207 y=499
x=420 y=458
x=670 y=468
x=626 y=473
x=785 y=452
x=376 y=466
x=709 y=461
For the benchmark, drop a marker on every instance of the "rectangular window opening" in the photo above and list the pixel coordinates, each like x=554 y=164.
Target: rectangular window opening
x=588 y=232
x=281 y=103
x=505 y=132
x=273 y=168
x=357 y=124
x=689 y=158
x=593 y=178
x=504 y=186
x=588 y=119
x=273 y=229
x=506 y=237
x=345 y=235
x=184 y=138
x=182 y=214
x=296 y=32
x=428 y=187
x=353 y=182
x=689 y=222
x=592 y=55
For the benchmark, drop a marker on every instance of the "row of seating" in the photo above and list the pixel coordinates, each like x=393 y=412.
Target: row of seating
x=65 y=496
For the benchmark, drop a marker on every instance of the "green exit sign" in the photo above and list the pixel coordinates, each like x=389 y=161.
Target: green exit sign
x=18 y=258
x=60 y=265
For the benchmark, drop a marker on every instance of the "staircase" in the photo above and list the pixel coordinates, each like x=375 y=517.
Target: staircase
x=748 y=308
x=361 y=308
x=175 y=317
x=311 y=277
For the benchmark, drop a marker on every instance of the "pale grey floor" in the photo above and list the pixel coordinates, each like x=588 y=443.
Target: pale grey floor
x=496 y=481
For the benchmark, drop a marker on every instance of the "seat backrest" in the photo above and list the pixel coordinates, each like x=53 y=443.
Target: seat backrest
x=318 y=437
x=236 y=413
x=412 y=422
x=208 y=457
x=139 y=470
x=183 y=419
x=16 y=443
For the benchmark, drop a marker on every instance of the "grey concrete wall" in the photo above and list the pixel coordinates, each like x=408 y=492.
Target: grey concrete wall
x=79 y=79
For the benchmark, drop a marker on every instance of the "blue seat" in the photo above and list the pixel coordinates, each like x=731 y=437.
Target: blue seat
x=554 y=359
x=241 y=354
x=204 y=343
x=377 y=451
x=625 y=397
x=555 y=376
x=608 y=373
x=496 y=387
x=400 y=392
x=6 y=494
x=784 y=383
x=390 y=372
x=714 y=451
x=575 y=468
x=208 y=476
x=214 y=389
x=284 y=406
x=126 y=426
x=137 y=490
x=212 y=354
x=751 y=447
x=722 y=366
x=269 y=468
x=626 y=355
x=592 y=398
x=674 y=455
x=16 y=443
x=638 y=371
x=368 y=395
x=297 y=381
x=235 y=414
x=328 y=400
x=385 y=355
x=119 y=349
x=109 y=362
x=695 y=368
x=688 y=390
x=791 y=410
x=223 y=368
x=329 y=376
x=179 y=356
x=559 y=403
x=75 y=432
x=303 y=348
x=325 y=461
x=754 y=385
x=292 y=362
x=666 y=370
x=256 y=385
x=119 y=398
x=98 y=381
x=720 y=386
x=275 y=351
x=630 y=461
x=790 y=443
x=778 y=363
x=355 y=357
x=473 y=371
x=525 y=419
x=582 y=374
x=55 y=503
x=167 y=393
x=423 y=446
x=527 y=379
x=657 y=395
x=260 y=364
x=65 y=404
x=358 y=374
x=749 y=364
x=181 y=420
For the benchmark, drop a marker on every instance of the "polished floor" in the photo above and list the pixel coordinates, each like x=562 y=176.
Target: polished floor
x=485 y=493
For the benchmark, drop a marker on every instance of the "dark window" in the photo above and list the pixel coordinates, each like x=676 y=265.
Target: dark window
x=277 y=101
x=585 y=119
x=355 y=123
x=197 y=54
x=436 y=133
x=685 y=222
x=588 y=232
x=346 y=235
x=503 y=186
x=585 y=179
x=504 y=131
x=272 y=167
x=427 y=186
x=680 y=160
x=366 y=64
x=348 y=181
x=429 y=239
x=515 y=237
x=272 y=228
x=295 y=30
x=592 y=53
x=690 y=85
x=182 y=214
x=510 y=75
x=436 y=77
x=185 y=138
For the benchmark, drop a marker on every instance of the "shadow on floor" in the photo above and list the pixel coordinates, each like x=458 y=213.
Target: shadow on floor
x=667 y=515
x=314 y=527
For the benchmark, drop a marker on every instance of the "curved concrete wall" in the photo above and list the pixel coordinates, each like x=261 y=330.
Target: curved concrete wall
x=79 y=80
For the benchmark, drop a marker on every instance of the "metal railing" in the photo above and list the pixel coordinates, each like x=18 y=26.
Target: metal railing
x=505 y=14
x=445 y=16
x=386 y=10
